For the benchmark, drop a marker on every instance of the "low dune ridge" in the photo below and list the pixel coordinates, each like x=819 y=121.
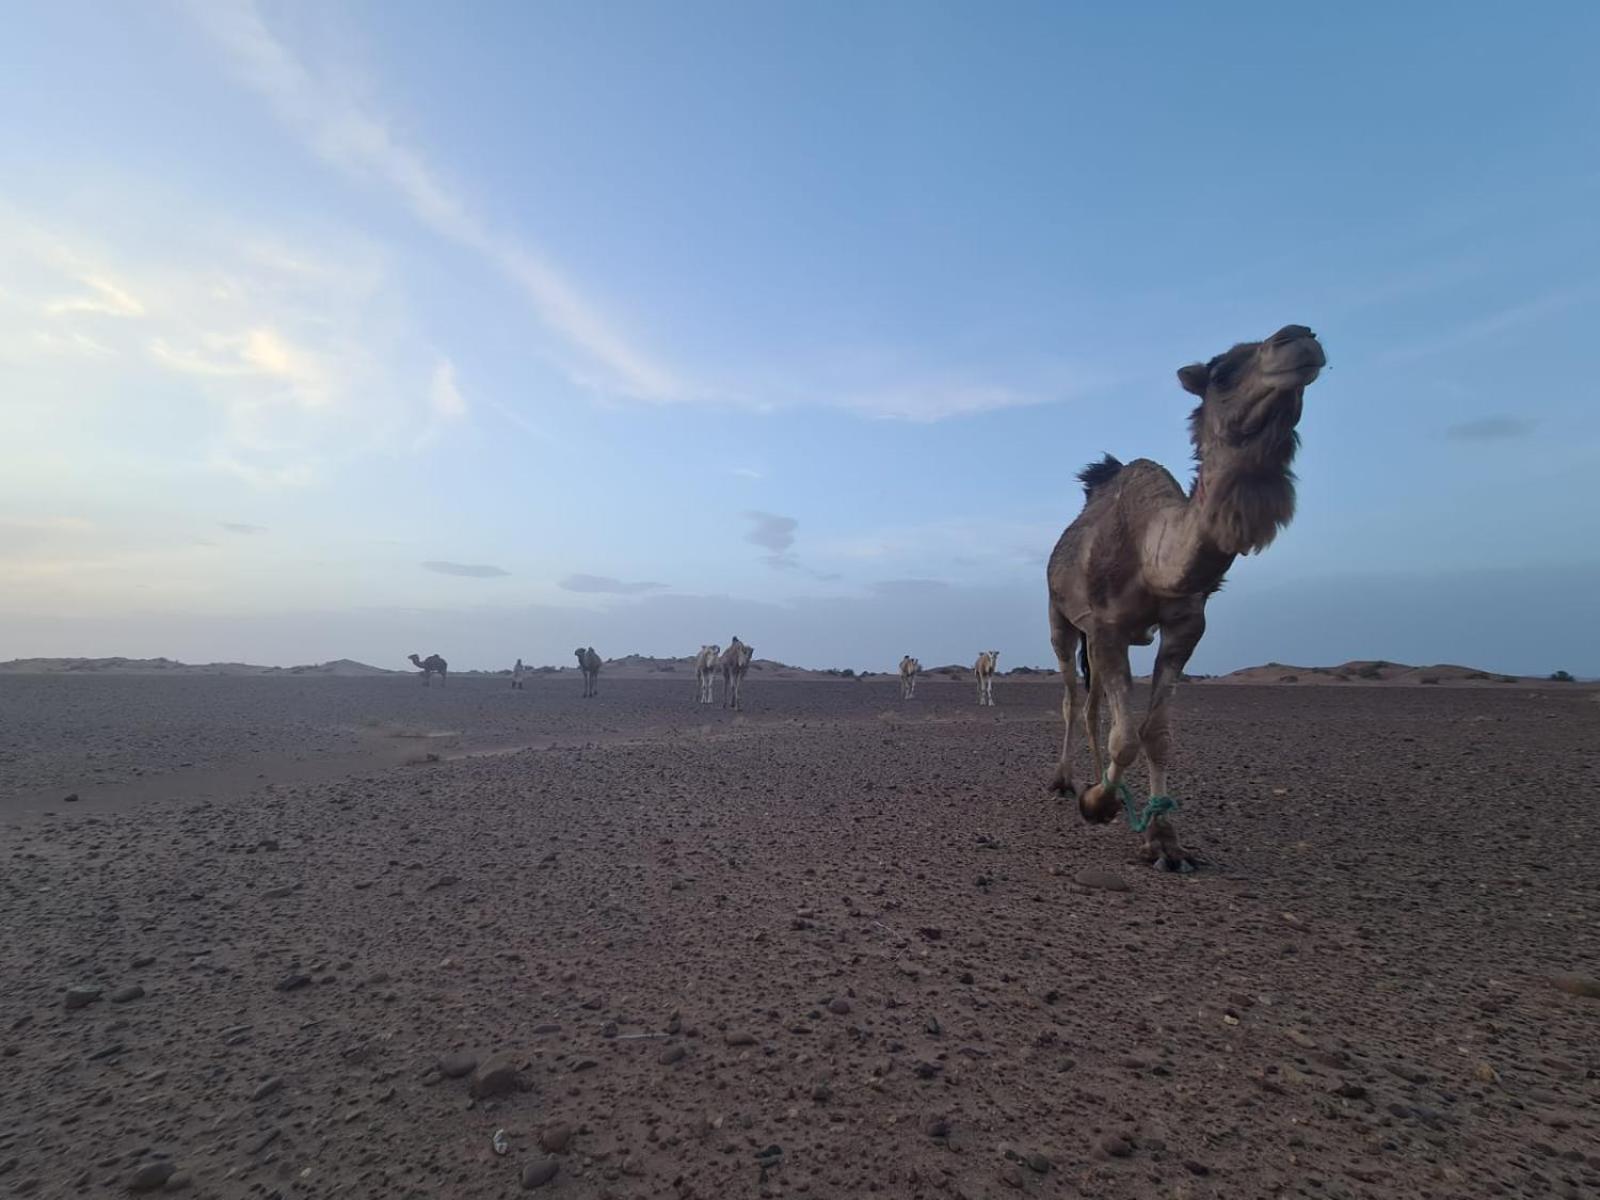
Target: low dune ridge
x=345 y=668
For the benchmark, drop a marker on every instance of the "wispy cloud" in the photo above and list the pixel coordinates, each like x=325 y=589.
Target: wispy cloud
x=1491 y=429
x=746 y=473
x=105 y=298
x=445 y=397
x=1513 y=316
x=605 y=585
x=467 y=570
x=243 y=529
x=357 y=139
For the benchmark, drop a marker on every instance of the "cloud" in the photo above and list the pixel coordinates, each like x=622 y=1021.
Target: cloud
x=772 y=531
x=360 y=141
x=746 y=473
x=469 y=570
x=1474 y=333
x=1491 y=429
x=605 y=585
x=106 y=298
x=241 y=528
x=445 y=397
x=940 y=400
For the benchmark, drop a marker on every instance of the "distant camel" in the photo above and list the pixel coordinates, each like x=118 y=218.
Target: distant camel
x=910 y=668
x=735 y=663
x=589 y=664
x=1144 y=556
x=984 y=669
x=705 y=673
x=432 y=665
x=516 y=676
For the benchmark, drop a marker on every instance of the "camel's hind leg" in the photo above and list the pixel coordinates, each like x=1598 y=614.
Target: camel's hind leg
x=1064 y=637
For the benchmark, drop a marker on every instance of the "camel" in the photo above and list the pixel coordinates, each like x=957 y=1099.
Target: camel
x=1144 y=557
x=909 y=669
x=984 y=669
x=705 y=673
x=735 y=663
x=432 y=665
x=589 y=664
x=516 y=677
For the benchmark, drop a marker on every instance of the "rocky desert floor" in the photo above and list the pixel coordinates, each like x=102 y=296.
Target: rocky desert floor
x=327 y=937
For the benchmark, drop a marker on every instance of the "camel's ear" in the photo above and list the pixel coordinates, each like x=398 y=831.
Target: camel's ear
x=1194 y=378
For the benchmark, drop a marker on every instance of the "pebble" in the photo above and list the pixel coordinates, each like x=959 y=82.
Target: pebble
x=124 y=994
x=937 y=1128
x=152 y=1175
x=144 y=960
x=70 y=798
x=454 y=1066
x=1586 y=986
x=178 y=1182
x=1011 y=1176
x=1101 y=879
x=1116 y=1145
x=546 y=1029
x=82 y=997
x=539 y=1172
x=741 y=1039
x=267 y=1088
x=277 y=893
x=554 y=1138
x=839 y=1006
x=822 y=1093
x=497 y=1077
x=1039 y=1163
x=671 y=1055
x=293 y=982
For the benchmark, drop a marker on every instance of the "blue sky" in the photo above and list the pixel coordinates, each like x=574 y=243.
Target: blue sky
x=359 y=329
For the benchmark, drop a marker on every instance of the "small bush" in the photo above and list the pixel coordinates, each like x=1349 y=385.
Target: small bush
x=1562 y=677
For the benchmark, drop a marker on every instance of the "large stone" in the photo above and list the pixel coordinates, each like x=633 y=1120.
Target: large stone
x=539 y=1172
x=455 y=1066
x=1101 y=880
x=82 y=997
x=497 y=1077
x=152 y=1175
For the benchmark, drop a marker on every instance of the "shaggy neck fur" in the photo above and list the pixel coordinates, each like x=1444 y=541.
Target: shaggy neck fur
x=1243 y=495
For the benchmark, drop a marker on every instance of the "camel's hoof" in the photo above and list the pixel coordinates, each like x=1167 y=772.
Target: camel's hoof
x=1062 y=788
x=1181 y=866
x=1097 y=805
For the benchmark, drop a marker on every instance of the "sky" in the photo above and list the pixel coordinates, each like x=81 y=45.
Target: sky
x=359 y=329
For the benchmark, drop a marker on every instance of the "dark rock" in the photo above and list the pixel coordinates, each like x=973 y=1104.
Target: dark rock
x=1038 y=1163
x=1196 y=1167
x=124 y=994
x=82 y=997
x=546 y=1029
x=741 y=1039
x=144 y=960
x=539 y=1172
x=671 y=1054
x=1116 y=1145
x=497 y=1077
x=290 y=983
x=266 y=1088
x=839 y=1006
x=1101 y=879
x=70 y=798
x=1350 y=1091
x=1011 y=1175
x=178 y=1182
x=152 y=1175
x=554 y=1138
x=457 y=1065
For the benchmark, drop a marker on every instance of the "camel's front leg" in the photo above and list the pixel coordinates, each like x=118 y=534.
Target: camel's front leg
x=1110 y=676
x=1180 y=634
x=1064 y=638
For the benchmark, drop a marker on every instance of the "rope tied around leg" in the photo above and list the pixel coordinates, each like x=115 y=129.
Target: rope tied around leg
x=1154 y=807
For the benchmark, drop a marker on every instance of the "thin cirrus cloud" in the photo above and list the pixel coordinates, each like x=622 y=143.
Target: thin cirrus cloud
x=466 y=570
x=604 y=585
x=1490 y=429
x=357 y=140
x=242 y=528
x=771 y=531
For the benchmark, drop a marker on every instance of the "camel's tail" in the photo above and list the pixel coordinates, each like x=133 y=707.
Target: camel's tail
x=1098 y=474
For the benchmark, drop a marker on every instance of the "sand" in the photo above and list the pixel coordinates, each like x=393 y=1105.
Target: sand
x=834 y=946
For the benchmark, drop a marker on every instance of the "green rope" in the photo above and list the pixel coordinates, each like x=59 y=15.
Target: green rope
x=1153 y=807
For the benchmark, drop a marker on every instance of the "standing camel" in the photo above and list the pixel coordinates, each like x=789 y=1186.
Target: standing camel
x=1144 y=557
x=516 y=677
x=984 y=669
x=909 y=669
x=589 y=664
x=430 y=666
x=705 y=673
x=735 y=663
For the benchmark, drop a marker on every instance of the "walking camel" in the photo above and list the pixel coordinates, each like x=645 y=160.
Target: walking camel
x=735 y=664
x=705 y=673
x=910 y=668
x=430 y=666
x=516 y=677
x=589 y=664
x=984 y=669
x=1144 y=557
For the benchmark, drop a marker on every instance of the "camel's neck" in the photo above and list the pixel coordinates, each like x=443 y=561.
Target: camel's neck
x=1232 y=510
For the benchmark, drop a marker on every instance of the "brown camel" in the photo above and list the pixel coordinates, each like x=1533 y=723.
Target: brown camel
x=705 y=673
x=1144 y=557
x=589 y=664
x=430 y=666
x=910 y=668
x=988 y=662
x=735 y=664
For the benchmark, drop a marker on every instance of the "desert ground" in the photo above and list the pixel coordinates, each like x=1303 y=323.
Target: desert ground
x=300 y=937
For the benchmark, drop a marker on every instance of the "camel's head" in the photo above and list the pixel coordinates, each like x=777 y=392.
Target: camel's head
x=415 y=659
x=712 y=650
x=579 y=653
x=1250 y=396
